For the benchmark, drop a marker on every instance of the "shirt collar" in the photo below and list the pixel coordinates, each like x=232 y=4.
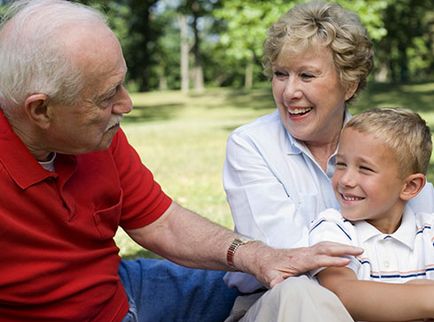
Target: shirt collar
x=405 y=234
x=296 y=147
x=17 y=160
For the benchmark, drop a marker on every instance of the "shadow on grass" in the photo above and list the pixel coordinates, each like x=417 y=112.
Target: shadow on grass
x=255 y=99
x=160 y=112
x=258 y=99
x=416 y=96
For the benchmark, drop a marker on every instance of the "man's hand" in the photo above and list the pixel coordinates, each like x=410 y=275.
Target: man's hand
x=271 y=266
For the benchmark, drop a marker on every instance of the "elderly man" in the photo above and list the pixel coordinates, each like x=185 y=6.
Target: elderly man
x=69 y=178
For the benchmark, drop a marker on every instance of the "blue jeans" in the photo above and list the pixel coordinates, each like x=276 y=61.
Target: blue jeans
x=159 y=290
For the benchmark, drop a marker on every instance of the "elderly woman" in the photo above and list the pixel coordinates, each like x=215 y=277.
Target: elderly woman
x=278 y=169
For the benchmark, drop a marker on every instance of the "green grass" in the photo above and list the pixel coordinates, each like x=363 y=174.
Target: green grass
x=182 y=138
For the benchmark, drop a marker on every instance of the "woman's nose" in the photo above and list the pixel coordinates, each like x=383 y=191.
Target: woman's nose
x=292 y=89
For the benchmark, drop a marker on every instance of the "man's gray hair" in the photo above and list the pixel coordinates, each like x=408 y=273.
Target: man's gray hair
x=32 y=56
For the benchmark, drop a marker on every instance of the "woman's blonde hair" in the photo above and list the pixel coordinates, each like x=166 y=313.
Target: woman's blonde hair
x=330 y=25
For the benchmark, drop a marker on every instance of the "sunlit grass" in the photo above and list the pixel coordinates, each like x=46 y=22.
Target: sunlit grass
x=182 y=138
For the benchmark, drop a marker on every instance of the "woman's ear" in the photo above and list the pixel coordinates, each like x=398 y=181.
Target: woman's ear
x=351 y=89
x=413 y=184
x=36 y=109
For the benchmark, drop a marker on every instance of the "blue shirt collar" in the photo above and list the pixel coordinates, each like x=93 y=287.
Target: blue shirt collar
x=295 y=146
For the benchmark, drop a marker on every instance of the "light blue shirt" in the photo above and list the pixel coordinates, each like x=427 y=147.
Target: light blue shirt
x=275 y=188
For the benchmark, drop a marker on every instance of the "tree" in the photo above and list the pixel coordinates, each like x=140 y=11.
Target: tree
x=246 y=24
x=196 y=12
x=133 y=22
x=407 y=50
x=185 y=48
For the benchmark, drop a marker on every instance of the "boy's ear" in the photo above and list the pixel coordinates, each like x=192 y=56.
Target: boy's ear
x=36 y=109
x=413 y=184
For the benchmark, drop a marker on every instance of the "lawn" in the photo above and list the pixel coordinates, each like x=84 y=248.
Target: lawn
x=182 y=138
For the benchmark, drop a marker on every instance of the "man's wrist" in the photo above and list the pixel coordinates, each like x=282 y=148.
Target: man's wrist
x=236 y=243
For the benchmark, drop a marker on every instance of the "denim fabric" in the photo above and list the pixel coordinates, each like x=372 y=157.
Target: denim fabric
x=159 y=290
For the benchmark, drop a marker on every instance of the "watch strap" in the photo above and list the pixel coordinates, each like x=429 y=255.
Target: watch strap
x=236 y=243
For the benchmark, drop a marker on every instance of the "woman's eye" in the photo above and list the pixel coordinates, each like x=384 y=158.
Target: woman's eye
x=307 y=76
x=279 y=74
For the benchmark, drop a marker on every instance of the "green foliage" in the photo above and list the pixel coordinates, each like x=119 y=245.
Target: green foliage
x=408 y=49
x=246 y=24
x=370 y=13
x=231 y=35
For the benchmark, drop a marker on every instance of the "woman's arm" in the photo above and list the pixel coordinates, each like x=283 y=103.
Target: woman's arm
x=378 y=301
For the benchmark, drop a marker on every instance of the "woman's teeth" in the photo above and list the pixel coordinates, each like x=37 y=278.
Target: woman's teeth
x=299 y=111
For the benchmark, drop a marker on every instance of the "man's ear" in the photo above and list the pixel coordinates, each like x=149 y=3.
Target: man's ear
x=413 y=184
x=36 y=109
x=351 y=89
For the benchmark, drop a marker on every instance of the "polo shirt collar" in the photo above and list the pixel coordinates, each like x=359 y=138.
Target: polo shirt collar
x=17 y=160
x=405 y=234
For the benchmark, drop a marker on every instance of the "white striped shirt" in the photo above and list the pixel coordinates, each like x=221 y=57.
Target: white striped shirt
x=406 y=254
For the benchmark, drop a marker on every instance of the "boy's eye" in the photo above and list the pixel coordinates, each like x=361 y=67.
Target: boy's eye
x=366 y=169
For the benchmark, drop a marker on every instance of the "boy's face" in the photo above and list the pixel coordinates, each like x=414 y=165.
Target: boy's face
x=367 y=181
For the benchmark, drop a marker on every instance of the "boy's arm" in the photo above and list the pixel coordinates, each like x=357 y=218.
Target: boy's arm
x=378 y=301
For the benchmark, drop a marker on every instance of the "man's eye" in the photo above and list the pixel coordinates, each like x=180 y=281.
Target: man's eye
x=111 y=95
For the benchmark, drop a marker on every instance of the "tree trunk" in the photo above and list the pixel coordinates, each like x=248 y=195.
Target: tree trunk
x=198 y=79
x=183 y=27
x=198 y=71
x=248 y=77
x=162 y=83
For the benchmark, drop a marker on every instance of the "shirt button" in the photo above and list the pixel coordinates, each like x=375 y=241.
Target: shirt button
x=386 y=264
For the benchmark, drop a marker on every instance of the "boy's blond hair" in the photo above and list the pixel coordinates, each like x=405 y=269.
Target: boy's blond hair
x=403 y=131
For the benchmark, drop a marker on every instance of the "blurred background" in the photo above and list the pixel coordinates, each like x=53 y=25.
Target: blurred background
x=191 y=44
x=195 y=75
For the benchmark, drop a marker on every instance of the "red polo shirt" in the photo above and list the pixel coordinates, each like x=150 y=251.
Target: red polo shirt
x=58 y=258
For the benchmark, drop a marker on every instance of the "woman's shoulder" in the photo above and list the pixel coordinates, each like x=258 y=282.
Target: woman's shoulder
x=271 y=120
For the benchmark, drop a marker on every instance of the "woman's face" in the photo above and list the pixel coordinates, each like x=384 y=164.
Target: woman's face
x=309 y=94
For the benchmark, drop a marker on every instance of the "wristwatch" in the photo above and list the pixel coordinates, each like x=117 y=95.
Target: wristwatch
x=236 y=243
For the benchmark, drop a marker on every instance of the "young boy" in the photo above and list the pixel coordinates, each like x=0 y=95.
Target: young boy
x=381 y=163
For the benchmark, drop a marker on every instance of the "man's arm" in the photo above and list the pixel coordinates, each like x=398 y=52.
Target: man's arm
x=191 y=240
x=378 y=301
